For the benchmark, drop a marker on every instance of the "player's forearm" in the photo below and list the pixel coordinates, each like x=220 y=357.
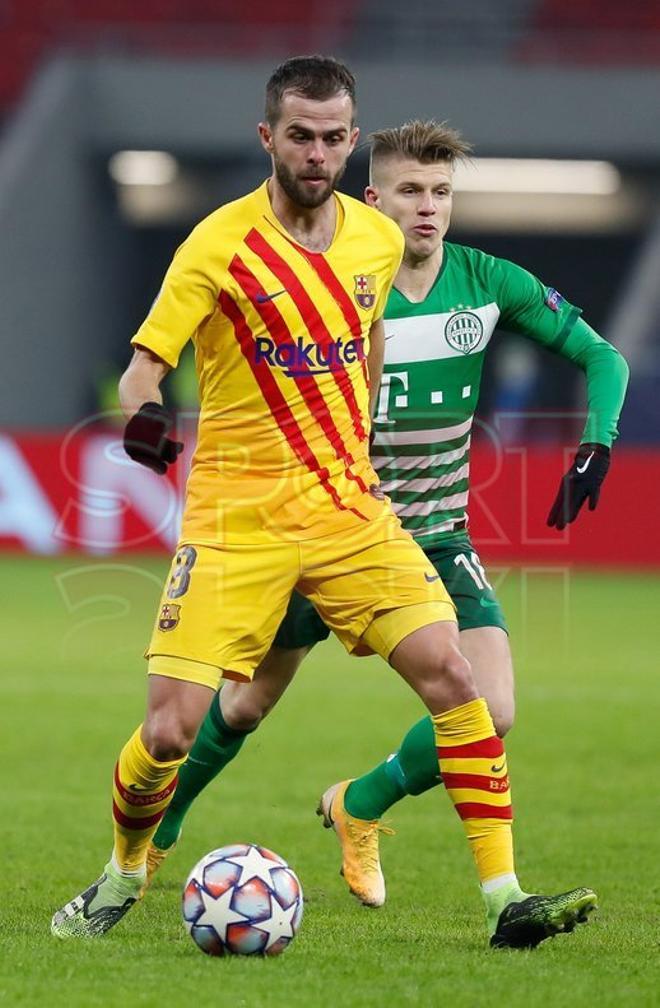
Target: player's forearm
x=606 y=373
x=140 y=382
x=607 y=380
x=134 y=390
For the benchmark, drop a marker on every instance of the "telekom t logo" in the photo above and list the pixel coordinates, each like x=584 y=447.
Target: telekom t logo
x=400 y=400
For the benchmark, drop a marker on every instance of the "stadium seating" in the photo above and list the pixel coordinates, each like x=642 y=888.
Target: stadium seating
x=578 y=31
x=596 y=32
x=31 y=29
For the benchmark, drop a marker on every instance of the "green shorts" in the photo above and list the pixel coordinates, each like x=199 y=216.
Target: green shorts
x=458 y=565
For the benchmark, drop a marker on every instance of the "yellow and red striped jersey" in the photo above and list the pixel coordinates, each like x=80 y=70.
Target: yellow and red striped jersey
x=281 y=337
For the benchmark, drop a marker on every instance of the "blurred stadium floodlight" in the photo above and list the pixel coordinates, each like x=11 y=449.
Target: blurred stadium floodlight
x=537 y=175
x=143 y=167
x=552 y=195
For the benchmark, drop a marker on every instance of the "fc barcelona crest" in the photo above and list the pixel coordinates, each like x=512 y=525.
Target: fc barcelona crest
x=365 y=290
x=169 y=616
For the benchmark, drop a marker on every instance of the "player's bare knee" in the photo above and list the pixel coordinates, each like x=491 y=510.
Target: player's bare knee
x=455 y=676
x=454 y=667
x=242 y=706
x=244 y=720
x=447 y=681
x=245 y=705
x=167 y=738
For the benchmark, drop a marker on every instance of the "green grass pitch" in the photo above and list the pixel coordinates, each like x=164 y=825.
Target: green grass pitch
x=584 y=767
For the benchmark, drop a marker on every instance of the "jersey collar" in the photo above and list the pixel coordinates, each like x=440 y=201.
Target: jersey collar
x=266 y=210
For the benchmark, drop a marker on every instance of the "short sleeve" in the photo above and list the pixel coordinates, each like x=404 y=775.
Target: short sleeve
x=186 y=298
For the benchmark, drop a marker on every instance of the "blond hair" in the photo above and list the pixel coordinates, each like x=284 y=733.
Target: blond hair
x=425 y=142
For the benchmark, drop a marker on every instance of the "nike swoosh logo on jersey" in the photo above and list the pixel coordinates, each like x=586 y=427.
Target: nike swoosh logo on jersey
x=436 y=577
x=498 y=769
x=486 y=602
x=263 y=298
x=584 y=468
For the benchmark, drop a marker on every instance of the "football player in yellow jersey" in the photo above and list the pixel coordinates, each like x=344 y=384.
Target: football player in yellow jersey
x=281 y=293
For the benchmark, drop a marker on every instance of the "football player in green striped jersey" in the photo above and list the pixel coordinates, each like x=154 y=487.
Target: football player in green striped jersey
x=439 y=320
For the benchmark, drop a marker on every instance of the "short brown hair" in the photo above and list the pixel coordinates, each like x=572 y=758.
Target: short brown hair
x=315 y=77
x=420 y=141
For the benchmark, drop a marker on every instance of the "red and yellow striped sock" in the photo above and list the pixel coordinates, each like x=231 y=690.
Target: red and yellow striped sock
x=142 y=790
x=474 y=771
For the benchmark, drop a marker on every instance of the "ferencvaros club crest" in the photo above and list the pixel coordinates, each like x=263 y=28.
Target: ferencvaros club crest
x=169 y=616
x=365 y=290
x=464 y=331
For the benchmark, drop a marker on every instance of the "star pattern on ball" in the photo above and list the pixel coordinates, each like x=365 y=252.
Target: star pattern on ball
x=254 y=865
x=279 y=924
x=219 y=908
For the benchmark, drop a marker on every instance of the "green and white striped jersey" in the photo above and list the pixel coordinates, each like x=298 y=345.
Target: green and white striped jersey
x=434 y=354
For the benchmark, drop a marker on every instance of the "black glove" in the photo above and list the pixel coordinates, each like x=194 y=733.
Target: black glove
x=145 y=438
x=582 y=480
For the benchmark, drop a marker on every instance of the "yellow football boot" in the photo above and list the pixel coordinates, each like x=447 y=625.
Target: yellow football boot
x=359 y=846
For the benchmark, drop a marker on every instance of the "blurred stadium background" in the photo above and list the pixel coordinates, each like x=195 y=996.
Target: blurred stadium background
x=122 y=124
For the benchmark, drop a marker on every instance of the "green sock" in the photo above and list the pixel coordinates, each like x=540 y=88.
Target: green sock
x=370 y=795
x=215 y=746
x=418 y=758
x=412 y=770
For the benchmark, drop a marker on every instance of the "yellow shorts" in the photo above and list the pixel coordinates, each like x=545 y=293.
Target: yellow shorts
x=222 y=605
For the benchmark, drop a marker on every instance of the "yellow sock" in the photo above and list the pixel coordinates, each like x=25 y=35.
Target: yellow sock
x=142 y=790
x=473 y=768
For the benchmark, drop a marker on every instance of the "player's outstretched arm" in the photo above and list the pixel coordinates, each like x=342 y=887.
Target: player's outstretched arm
x=149 y=422
x=540 y=313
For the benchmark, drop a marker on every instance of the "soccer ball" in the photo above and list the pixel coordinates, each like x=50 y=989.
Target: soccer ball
x=242 y=900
